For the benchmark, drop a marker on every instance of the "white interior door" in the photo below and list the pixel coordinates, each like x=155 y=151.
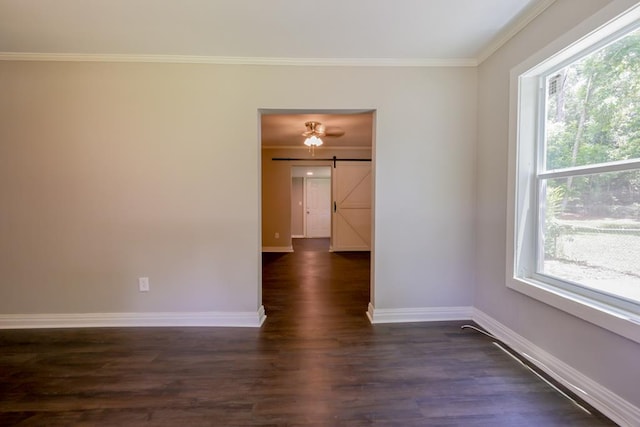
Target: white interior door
x=352 y=210
x=318 y=207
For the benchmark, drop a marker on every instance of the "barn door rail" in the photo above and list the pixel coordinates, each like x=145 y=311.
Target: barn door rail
x=334 y=159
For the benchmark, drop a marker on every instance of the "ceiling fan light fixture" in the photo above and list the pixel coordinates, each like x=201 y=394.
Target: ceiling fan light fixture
x=313 y=134
x=313 y=141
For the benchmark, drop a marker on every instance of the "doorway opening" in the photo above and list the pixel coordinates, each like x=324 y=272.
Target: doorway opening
x=317 y=198
x=311 y=207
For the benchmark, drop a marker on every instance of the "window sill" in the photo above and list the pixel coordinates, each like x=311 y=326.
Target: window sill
x=612 y=319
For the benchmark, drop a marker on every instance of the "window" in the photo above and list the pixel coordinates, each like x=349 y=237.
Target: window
x=576 y=170
x=588 y=174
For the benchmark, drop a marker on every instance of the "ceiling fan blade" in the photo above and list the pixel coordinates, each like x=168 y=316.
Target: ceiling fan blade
x=320 y=130
x=334 y=131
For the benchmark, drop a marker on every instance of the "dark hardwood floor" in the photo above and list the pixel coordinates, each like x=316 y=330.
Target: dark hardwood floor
x=316 y=361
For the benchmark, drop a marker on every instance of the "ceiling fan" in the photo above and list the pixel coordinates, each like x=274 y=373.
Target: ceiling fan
x=318 y=129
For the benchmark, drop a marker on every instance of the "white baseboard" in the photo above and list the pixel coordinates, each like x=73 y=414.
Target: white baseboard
x=103 y=320
x=420 y=314
x=277 y=249
x=604 y=400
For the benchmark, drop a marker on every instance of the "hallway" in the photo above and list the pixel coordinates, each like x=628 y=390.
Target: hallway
x=312 y=289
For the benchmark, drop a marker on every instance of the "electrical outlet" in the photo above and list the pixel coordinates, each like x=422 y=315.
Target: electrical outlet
x=277 y=235
x=143 y=284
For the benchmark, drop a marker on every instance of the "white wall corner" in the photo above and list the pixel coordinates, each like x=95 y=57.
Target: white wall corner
x=613 y=406
x=513 y=28
x=277 y=249
x=418 y=314
x=103 y=320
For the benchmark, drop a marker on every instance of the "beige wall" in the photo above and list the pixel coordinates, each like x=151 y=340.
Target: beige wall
x=297 y=207
x=112 y=171
x=607 y=358
x=115 y=171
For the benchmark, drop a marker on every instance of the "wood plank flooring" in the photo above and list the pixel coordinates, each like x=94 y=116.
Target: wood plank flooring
x=317 y=361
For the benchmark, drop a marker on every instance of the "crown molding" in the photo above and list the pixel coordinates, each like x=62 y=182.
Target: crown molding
x=237 y=60
x=514 y=28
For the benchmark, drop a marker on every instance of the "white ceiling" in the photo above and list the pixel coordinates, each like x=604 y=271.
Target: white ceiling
x=402 y=30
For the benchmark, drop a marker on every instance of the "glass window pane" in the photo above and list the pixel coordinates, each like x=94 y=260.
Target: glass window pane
x=590 y=231
x=593 y=107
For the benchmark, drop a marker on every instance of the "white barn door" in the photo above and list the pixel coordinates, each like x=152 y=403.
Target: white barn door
x=352 y=189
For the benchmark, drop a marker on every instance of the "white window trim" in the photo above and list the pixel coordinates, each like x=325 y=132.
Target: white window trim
x=523 y=126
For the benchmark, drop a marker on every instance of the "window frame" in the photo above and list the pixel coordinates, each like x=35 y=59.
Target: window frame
x=526 y=133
